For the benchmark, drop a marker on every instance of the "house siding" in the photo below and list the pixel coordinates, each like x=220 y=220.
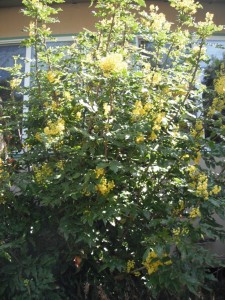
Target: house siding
x=75 y=17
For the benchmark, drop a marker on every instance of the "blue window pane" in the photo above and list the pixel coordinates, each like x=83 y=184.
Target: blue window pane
x=7 y=52
x=53 y=45
x=216 y=48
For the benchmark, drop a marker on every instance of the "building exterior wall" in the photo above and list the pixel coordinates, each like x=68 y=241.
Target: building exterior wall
x=75 y=17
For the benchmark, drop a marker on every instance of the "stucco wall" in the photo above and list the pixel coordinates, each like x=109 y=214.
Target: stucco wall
x=75 y=17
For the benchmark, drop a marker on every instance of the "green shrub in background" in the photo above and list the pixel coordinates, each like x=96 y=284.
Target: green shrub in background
x=116 y=185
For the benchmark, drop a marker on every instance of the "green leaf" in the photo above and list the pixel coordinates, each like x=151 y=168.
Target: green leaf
x=140 y=2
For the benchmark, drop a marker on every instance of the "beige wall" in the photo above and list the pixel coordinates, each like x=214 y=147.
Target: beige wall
x=75 y=17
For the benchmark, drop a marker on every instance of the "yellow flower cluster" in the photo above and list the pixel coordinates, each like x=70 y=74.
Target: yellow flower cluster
x=15 y=82
x=216 y=189
x=153 y=136
x=198 y=131
x=130 y=265
x=107 y=109
x=140 y=109
x=55 y=128
x=219 y=85
x=104 y=187
x=157 y=125
x=112 y=63
x=31 y=29
x=180 y=208
x=53 y=105
x=60 y=164
x=67 y=95
x=158 y=21
x=200 y=182
x=99 y=172
x=140 y=139
x=154 y=78
x=180 y=231
x=198 y=157
x=52 y=77
x=202 y=185
x=186 y=6
x=192 y=171
x=195 y=212
x=42 y=174
x=78 y=116
x=204 y=28
x=218 y=105
x=158 y=121
x=152 y=263
x=38 y=137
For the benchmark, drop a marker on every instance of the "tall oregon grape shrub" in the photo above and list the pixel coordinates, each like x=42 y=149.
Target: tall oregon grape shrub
x=115 y=184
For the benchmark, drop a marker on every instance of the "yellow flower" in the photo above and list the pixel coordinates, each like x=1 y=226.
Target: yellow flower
x=198 y=157
x=153 y=136
x=51 y=76
x=185 y=156
x=15 y=82
x=156 y=78
x=194 y=213
x=218 y=105
x=202 y=186
x=42 y=174
x=138 y=110
x=148 y=106
x=198 y=125
x=158 y=121
x=67 y=95
x=130 y=265
x=140 y=139
x=54 y=105
x=186 y=6
x=180 y=231
x=152 y=263
x=180 y=208
x=38 y=137
x=104 y=187
x=192 y=171
x=200 y=182
x=78 y=115
x=55 y=128
x=216 y=189
x=112 y=63
x=168 y=262
x=99 y=172
x=107 y=109
x=198 y=130
x=220 y=85
x=31 y=28
x=60 y=164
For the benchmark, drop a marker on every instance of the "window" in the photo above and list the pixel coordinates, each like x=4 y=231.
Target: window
x=211 y=71
x=13 y=105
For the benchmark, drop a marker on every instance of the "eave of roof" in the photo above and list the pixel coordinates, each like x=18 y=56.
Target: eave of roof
x=13 y=3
